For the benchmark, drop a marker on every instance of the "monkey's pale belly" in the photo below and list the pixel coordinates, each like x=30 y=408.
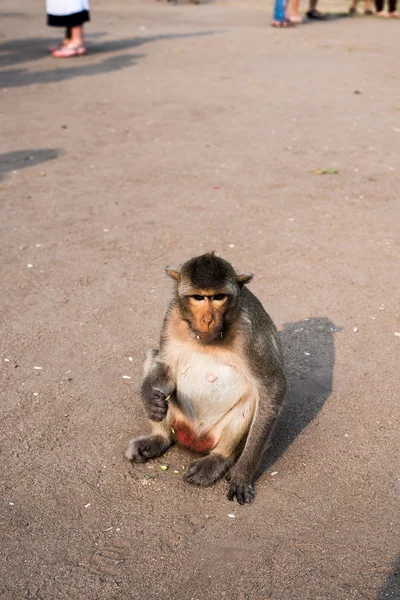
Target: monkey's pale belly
x=206 y=391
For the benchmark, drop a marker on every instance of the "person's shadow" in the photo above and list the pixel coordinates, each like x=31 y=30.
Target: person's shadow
x=18 y=52
x=309 y=351
x=19 y=159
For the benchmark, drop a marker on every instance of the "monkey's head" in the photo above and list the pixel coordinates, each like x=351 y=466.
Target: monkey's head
x=208 y=290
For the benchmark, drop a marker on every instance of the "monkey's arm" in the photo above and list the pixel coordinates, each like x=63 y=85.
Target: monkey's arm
x=243 y=473
x=156 y=387
x=266 y=363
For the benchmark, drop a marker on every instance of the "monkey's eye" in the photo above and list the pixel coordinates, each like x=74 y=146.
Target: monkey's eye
x=198 y=298
x=219 y=297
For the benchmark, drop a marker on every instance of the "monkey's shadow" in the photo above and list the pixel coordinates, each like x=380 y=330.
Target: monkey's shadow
x=309 y=351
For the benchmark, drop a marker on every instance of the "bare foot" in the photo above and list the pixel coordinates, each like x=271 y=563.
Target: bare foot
x=394 y=15
x=383 y=14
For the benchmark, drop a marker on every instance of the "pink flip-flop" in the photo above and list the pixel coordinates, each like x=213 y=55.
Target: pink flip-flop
x=69 y=50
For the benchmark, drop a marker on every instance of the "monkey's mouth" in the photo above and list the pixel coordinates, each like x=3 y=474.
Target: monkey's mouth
x=207 y=338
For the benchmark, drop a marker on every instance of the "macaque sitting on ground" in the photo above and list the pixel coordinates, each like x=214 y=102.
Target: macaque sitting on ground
x=216 y=384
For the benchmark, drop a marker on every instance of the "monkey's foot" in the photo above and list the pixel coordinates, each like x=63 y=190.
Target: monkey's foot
x=207 y=470
x=150 y=446
x=244 y=493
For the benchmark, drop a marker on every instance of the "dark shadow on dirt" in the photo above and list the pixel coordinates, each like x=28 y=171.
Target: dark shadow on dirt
x=309 y=350
x=125 y=44
x=329 y=17
x=23 y=50
x=14 y=161
x=391 y=588
x=22 y=77
x=15 y=52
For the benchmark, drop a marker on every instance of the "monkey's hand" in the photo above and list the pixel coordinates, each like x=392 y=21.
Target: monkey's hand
x=242 y=491
x=155 y=403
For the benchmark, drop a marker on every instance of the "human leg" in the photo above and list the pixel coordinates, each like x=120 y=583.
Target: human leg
x=393 y=9
x=353 y=7
x=64 y=42
x=279 y=18
x=379 y=9
x=313 y=12
x=294 y=15
x=368 y=7
x=74 y=47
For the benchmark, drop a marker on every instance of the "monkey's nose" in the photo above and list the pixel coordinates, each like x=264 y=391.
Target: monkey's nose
x=208 y=321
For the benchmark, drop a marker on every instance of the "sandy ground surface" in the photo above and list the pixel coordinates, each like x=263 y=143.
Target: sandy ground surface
x=186 y=129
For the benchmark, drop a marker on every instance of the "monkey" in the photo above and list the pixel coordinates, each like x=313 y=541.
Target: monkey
x=217 y=381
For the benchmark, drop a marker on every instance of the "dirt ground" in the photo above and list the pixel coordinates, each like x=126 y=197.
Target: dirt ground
x=187 y=129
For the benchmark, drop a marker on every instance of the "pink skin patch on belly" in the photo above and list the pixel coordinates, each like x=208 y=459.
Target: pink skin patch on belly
x=186 y=436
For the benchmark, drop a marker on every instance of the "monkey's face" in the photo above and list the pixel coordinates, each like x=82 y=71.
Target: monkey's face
x=208 y=293
x=205 y=312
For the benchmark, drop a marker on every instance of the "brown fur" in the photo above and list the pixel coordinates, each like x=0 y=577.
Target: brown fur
x=220 y=365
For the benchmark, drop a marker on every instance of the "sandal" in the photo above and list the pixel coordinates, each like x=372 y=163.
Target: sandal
x=54 y=48
x=59 y=45
x=286 y=24
x=368 y=12
x=68 y=50
x=315 y=14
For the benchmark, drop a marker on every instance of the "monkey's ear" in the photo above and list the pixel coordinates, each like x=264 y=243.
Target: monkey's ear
x=243 y=278
x=173 y=273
